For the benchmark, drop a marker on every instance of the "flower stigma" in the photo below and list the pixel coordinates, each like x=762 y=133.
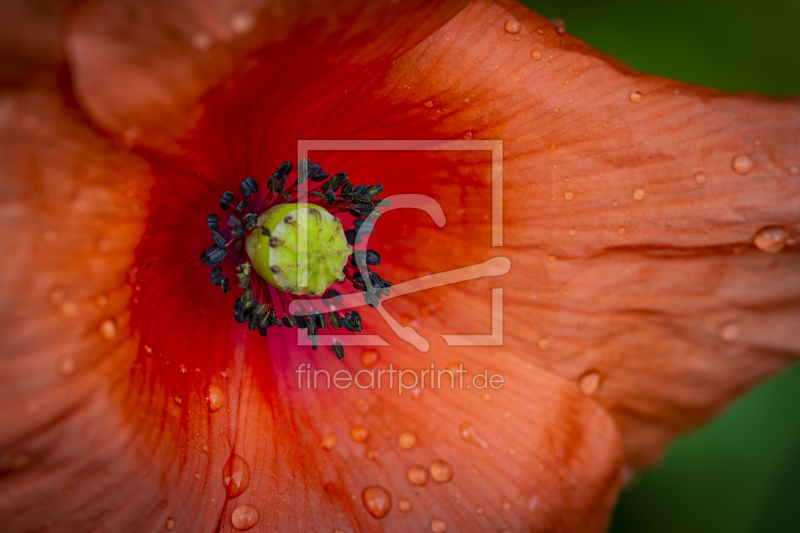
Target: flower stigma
x=277 y=246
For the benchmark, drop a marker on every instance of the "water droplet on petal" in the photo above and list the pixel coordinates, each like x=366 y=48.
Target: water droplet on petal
x=589 y=383
x=438 y=526
x=214 y=398
x=359 y=434
x=148 y=349
x=108 y=329
x=742 y=164
x=418 y=475
x=543 y=344
x=428 y=104
x=371 y=454
x=427 y=310
x=487 y=397
x=469 y=434
x=794 y=170
x=513 y=27
x=242 y=22
x=66 y=366
x=441 y=471
x=407 y=440
x=615 y=203
x=729 y=332
x=536 y=55
x=377 y=501
x=636 y=96
x=480 y=511
x=506 y=506
x=182 y=369
x=700 y=178
x=621 y=231
x=178 y=400
x=369 y=357
x=202 y=41
x=638 y=194
x=244 y=517
x=404 y=505
x=236 y=476
x=170 y=523
x=329 y=441
x=771 y=239
x=569 y=195
x=573 y=232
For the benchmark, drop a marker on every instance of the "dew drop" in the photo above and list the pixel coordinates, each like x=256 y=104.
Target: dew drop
x=572 y=232
x=428 y=104
x=369 y=357
x=371 y=454
x=487 y=397
x=506 y=506
x=441 y=471
x=101 y=300
x=742 y=164
x=638 y=194
x=794 y=170
x=170 y=523
x=148 y=349
x=552 y=258
x=417 y=475
x=438 y=526
x=404 y=505
x=329 y=441
x=66 y=366
x=182 y=369
x=771 y=239
x=202 y=41
x=636 y=96
x=242 y=22
x=543 y=344
x=536 y=55
x=729 y=332
x=469 y=434
x=108 y=329
x=407 y=440
x=700 y=178
x=244 y=517
x=214 y=398
x=589 y=382
x=178 y=400
x=427 y=310
x=621 y=231
x=236 y=476
x=376 y=500
x=615 y=203
x=513 y=27
x=480 y=511
x=569 y=195
x=468 y=135
x=359 y=434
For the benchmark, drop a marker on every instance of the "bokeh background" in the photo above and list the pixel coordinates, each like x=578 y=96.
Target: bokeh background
x=741 y=472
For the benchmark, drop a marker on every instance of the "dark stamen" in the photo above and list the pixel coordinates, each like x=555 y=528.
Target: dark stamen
x=212 y=221
x=338 y=349
x=225 y=201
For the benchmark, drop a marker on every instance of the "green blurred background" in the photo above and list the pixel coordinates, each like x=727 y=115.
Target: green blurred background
x=741 y=473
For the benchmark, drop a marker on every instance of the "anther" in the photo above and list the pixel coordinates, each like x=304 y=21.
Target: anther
x=313 y=171
x=212 y=221
x=285 y=168
x=225 y=201
x=245 y=188
x=375 y=190
x=243 y=273
x=338 y=349
x=322 y=176
x=352 y=322
x=250 y=221
x=334 y=320
x=289 y=322
x=240 y=207
x=213 y=255
x=219 y=238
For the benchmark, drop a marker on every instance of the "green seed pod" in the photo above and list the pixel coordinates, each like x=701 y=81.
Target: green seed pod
x=294 y=264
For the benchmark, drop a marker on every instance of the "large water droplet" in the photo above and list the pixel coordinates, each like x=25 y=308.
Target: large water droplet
x=438 y=526
x=369 y=357
x=404 y=505
x=170 y=523
x=407 y=440
x=244 y=517
x=377 y=501
x=469 y=434
x=513 y=27
x=329 y=441
x=742 y=164
x=108 y=329
x=215 y=397
x=636 y=96
x=66 y=366
x=589 y=382
x=236 y=476
x=700 y=178
x=771 y=239
x=536 y=55
x=242 y=22
x=428 y=104
x=569 y=195
x=359 y=434
x=441 y=471
x=418 y=475
x=638 y=194
x=543 y=344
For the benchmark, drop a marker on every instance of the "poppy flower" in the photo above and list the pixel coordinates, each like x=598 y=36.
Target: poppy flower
x=647 y=252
